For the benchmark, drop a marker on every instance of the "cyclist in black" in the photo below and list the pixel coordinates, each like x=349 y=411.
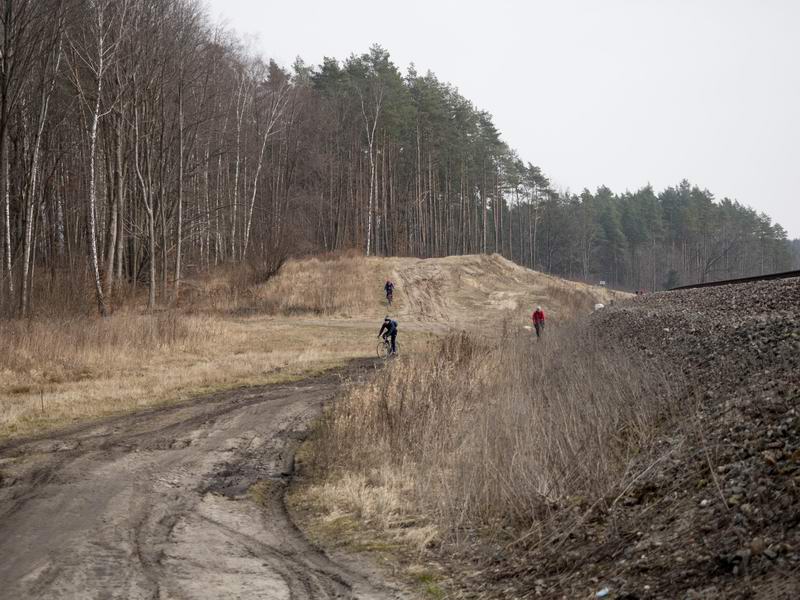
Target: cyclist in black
x=390 y=326
x=389 y=289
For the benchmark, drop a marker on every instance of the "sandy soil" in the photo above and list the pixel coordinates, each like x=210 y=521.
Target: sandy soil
x=476 y=290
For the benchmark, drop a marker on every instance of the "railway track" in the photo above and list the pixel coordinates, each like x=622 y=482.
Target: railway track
x=783 y=275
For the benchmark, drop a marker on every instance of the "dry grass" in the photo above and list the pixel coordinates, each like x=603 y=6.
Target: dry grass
x=62 y=347
x=349 y=286
x=452 y=290
x=56 y=369
x=345 y=286
x=236 y=326
x=487 y=437
x=58 y=372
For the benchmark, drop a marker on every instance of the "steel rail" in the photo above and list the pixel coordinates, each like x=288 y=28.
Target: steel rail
x=783 y=275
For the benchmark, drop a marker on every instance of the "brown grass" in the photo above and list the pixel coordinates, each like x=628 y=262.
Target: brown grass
x=63 y=346
x=57 y=372
x=486 y=437
x=346 y=286
x=57 y=369
x=452 y=290
x=236 y=326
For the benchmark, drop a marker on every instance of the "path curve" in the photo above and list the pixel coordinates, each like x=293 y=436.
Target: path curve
x=160 y=504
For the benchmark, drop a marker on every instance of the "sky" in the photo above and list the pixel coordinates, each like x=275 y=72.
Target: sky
x=595 y=92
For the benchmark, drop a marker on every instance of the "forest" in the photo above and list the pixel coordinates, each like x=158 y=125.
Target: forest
x=141 y=144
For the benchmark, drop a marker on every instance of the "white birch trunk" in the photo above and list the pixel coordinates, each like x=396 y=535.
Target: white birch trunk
x=91 y=222
x=275 y=112
x=179 y=232
x=371 y=150
x=240 y=108
x=44 y=104
x=7 y=217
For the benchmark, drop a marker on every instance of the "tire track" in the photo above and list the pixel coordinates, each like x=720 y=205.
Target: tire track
x=157 y=504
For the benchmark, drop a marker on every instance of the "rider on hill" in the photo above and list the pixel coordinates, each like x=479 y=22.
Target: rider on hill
x=390 y=326
x=389 y=289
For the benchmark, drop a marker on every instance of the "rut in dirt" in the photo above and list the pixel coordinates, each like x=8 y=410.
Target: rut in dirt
x=159 y=504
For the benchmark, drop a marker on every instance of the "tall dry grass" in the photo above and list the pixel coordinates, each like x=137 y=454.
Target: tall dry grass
x=234 y=325
x=56 y=348
x=347 y=285
x=64 y=364
x=489 y=436
x=62 y=371
x=57 y=292
x=63 y=349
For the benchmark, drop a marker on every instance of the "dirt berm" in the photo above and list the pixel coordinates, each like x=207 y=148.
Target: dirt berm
x=716 y=508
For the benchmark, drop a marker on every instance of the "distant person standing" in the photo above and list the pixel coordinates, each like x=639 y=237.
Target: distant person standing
x=538 y=321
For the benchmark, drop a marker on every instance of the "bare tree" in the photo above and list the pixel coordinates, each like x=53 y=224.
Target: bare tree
x=268 y=110
x=92 y=54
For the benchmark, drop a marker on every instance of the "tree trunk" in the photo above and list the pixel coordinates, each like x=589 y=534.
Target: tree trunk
x=91 y=217
x=6 y=213
x=179 y=216
x=113 y=222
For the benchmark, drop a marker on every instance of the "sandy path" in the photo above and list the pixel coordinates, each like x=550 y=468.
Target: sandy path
x=156 y=505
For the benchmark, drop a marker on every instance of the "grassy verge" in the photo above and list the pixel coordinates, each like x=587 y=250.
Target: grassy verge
x=59 y=372
x=228 y=329
x=482 y=445
x=341 y=528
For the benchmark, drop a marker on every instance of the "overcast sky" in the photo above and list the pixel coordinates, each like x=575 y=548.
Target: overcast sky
x=614 y=92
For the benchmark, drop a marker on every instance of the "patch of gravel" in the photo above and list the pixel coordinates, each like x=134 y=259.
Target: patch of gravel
x=714 y=511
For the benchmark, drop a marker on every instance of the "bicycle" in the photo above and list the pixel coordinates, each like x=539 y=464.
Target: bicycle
x=385 y=348
x=389 y=298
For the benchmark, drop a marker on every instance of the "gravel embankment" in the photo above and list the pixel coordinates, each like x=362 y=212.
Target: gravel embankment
x=715 y=511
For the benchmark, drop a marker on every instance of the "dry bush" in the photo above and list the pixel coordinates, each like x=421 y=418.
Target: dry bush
x=55 y=293
x=258 y=270
x=489 y=435
x=349 y=253
x=324 y=286
x=342 y=284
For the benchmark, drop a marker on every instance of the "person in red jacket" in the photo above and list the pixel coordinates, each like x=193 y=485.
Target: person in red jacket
x=538 y=321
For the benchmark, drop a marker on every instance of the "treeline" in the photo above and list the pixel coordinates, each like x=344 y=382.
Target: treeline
x=644 y=240
x=796 y=252
x=139 y=142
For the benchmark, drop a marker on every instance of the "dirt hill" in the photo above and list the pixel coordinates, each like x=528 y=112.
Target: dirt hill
x=457 y=290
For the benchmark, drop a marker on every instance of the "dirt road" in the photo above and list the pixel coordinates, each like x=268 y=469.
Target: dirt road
x=160 y=504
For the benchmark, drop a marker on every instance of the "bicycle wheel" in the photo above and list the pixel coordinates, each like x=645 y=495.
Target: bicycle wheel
x=384 y=348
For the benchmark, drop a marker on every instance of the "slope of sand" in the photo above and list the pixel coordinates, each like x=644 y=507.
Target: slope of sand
x=458 y=291
x=478 y=289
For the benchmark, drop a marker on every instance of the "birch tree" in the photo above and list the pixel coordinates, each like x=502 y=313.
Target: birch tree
x=269 y=108
x=92 y=54
x=49 y=51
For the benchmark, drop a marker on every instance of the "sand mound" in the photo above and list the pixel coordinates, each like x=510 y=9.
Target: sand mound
x=467 y=290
